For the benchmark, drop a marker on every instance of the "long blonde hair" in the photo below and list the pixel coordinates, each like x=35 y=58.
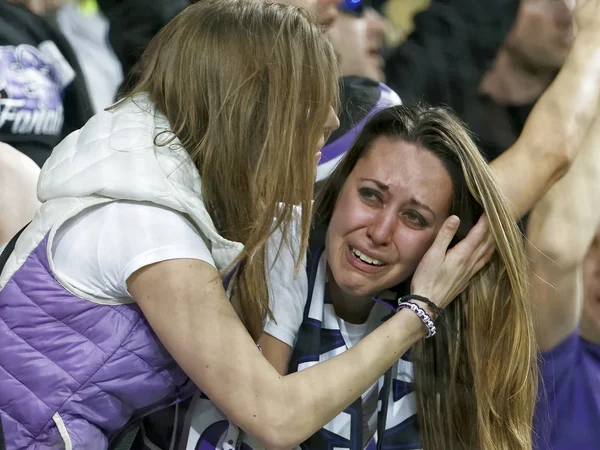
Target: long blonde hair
x=247 y=86
x=476 y=380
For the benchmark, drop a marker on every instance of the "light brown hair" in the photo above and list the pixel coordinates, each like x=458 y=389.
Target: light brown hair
x=247 y=86
x=476 y=380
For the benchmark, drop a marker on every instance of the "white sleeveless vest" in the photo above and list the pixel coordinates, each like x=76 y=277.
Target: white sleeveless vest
x=115 y=157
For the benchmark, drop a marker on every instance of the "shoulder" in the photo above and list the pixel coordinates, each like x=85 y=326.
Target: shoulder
x=145 y=225
x=12 y=159
x=17 y=171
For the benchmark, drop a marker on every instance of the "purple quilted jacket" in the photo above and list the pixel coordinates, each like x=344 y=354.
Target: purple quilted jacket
x=73 y=372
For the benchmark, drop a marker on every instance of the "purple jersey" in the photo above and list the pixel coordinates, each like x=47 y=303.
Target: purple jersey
x=568 y=410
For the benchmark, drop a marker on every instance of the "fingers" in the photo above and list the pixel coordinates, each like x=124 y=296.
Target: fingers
x=478 y=238
x=482 y=227
x=445 y=235
x=486 y=249
x=481 y=244
x=443 y=274
x=484 y=259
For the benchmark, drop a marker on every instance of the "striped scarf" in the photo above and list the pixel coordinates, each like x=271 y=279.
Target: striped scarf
x=321 y=338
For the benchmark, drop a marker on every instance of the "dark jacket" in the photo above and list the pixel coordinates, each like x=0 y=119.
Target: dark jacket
x=133 y=24
x=453 y=45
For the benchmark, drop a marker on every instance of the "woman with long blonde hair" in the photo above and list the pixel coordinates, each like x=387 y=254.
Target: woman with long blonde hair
x=411 y=170
x=112 y=304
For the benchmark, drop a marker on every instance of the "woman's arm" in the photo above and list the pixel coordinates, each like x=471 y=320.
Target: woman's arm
x=278 y=353
x=186 y=305
x=560 y=230
x=556 y=128
x=188 y=309
x=18 y=184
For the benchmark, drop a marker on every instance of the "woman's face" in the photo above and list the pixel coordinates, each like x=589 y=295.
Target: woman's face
x=386 y=216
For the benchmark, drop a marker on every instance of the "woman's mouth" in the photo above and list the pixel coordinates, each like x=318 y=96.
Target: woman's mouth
x=377 y=56
x=363 y=262
x=365 y=258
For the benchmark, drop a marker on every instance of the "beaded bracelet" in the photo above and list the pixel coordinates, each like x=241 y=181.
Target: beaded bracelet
x=439 y=312
x=422 y=314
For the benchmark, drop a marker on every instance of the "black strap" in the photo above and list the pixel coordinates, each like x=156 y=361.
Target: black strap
x=2 y=443
x=9 y=248
x=382 y=416
x=125 y=439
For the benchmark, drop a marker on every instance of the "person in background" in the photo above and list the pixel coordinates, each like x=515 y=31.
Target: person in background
x=453 y=43
x=133 y=24
x=564 y=250
x=86 y=29
x=447 y=69
x=526 y=64
x=358 y=36
x=43 y=94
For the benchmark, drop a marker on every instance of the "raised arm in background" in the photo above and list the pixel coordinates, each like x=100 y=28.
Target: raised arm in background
x=560 y=230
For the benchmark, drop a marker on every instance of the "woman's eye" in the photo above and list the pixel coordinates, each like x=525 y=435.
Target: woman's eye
x=370 y=194
x=416 y=219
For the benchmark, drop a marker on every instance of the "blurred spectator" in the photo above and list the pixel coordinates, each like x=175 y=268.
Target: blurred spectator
x=453 y=44
x=358 y=35
x=530 y=58
x=18 y=199
x=484 y=60
x=86 y=29
x=134 y=23
x=43 y=96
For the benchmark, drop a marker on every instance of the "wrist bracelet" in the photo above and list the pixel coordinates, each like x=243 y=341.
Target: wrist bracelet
x=422 y=314
x=436 y=309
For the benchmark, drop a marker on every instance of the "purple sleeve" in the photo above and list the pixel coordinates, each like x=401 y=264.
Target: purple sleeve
x=555 y=372
x=555 y=363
